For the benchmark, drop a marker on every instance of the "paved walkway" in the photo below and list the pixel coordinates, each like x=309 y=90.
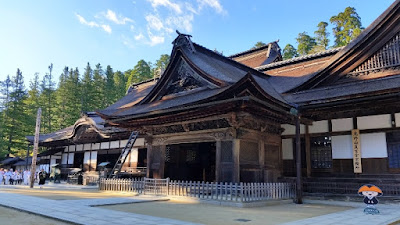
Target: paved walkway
x=389 y=213
x=69 y=211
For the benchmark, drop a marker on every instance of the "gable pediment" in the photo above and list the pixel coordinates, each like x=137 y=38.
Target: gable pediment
x=384 y=62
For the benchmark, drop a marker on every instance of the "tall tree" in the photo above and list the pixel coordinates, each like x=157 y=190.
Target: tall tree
x=161 y=65
x=321 y=38
x=259 y=44
x=16 y=124
x=5 y=90
x=32 y=102
x=61 y=97
x=110 y=90
x=87 y=89
x=289 y=52
x=47 y=99
x=72 y=97
x=99 y=85
x=120 y=85
x=305 y=43
x=140 y=72
x=347 y=26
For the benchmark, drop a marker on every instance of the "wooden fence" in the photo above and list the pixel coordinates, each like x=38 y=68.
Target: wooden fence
x=118 y=184
x=220 y=191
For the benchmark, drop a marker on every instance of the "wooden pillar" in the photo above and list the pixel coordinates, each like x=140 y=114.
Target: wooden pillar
x=299 y=185
x=149 y=142
x=261 y=160
x=162 y=161
x=218 y=160
x=27 y=155
x=236 y=161
x=67 y=157
x=308 y=151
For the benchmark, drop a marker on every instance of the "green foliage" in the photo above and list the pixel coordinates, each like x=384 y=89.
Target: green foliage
x=289 y=52
x=259 y=45
x=161 y=65
x=140 y=72
x=321 y=36
x=347 y=26
x=305 y=43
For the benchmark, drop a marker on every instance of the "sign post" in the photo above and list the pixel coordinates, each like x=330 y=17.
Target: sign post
x=355 y=136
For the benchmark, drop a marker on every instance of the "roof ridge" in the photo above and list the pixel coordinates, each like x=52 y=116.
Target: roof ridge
x=250 y=50
x=300 y=58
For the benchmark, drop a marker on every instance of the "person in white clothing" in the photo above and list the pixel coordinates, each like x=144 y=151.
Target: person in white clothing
x=1 y=175
x=27 y=175
x=7 y=176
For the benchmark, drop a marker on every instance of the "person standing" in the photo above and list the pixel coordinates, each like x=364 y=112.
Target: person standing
x=1 y=175
x=27 y=175
x=42 y=178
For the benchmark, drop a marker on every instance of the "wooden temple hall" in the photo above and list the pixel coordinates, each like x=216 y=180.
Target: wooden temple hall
x=236 y=119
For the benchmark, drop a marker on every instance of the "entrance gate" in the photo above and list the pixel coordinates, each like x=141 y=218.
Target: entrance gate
x=156 y=186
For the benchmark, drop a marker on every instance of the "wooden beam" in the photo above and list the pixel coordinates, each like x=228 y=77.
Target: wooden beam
x=35 y=147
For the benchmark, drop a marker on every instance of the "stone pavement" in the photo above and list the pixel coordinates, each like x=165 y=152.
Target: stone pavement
x=389 y=213
x=69 y=211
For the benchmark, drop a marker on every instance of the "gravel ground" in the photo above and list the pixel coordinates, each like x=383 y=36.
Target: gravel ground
x=223 y=215
x=15 y=217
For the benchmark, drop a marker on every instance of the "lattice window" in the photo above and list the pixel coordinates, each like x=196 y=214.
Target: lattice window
x=249 y=153
x=388 y=56
x=226 y=151
x=321 y=152
x=393 y=147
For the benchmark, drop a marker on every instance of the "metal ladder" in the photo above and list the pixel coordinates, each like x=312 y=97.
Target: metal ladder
x=125 y=152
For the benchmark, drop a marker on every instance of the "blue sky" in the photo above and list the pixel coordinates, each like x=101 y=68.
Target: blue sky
x=120 y=33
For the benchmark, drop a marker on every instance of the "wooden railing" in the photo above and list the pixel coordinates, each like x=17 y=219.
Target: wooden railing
x=117 y=184
x=233 y=192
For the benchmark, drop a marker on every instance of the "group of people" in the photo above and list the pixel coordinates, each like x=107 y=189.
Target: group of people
x=11 y=177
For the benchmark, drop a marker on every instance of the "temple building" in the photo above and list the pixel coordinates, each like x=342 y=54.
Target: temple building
x=233 y=119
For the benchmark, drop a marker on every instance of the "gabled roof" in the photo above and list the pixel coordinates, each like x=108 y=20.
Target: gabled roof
x=90 y=123
x=194 y=75
x=373 y=38
x=260 y=56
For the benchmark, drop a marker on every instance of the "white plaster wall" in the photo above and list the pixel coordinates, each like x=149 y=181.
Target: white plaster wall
x=94 y=159
x=373 y=145
x=342 y=147
x=86 y=157
x=134 y=155
x=397 y=119
x=95 y=146
x=345 y=124
x=105 y=145
x=79 y=148
x=114 y=144
x=287 y=149
x=123 y=143
x=374 y=122
x=64 y=158
x=319 y=127
x=86 y=146
x=71 y=158
x=139 y=142
x=71 y=148
x=52 y=161
x=291 y=129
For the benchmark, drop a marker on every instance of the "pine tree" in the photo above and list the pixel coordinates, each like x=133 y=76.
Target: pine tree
x=110 y=90
x=347 y=26
x=61 y=97
x=32 y=103
x=161 y=65
x=48 y=101
x=16 y=121
x=321 y=38
x=305 y=43
x=87 y=89
x=5 y=90
x=140 y=72
x=99 y=85
x=120 y=85
x=289 y=52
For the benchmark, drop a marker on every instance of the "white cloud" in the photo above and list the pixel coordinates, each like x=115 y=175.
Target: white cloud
x=154 y=22
x=139 y=37
x=181 y=22
x=154 y=39
x=84 y=22
x=132 y=28
x=213 y=4
x=106 y=28
x=112 y=16
x=166 y=3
